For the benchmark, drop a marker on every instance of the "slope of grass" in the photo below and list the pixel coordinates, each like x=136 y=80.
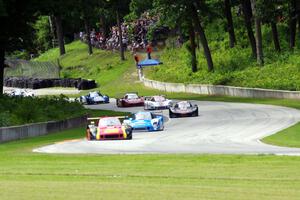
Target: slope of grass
x=27 y=175
x=232 y=67
x=289 y=137
x=103 y=66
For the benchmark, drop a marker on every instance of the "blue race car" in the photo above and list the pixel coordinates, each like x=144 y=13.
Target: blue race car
x=149 y=121
x=94 y=98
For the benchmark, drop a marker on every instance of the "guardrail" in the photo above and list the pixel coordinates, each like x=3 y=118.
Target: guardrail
x=37 y=129
x=221 y=90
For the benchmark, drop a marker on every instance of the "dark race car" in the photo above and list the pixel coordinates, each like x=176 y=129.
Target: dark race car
x=107 y=128
x=94 y=98
x=183 y=109
x=130 y=99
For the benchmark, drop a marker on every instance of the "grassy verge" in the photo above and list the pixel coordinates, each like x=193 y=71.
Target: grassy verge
x=30 y=175
x=289 y=137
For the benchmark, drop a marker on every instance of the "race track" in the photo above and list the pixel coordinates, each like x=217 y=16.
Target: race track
x=221 y=128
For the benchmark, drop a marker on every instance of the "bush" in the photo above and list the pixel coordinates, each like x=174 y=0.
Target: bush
x=23 y=110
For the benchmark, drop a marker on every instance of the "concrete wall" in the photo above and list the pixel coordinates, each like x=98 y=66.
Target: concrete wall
x=221 y=90
x=37 y=129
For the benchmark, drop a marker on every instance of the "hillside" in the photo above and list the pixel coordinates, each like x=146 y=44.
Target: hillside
x=112 y=75
x=233 y=67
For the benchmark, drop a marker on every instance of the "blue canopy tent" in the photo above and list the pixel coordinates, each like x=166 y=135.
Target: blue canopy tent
x=149 y=62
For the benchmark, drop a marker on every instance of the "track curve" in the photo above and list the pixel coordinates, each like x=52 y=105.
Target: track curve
x=221 y=128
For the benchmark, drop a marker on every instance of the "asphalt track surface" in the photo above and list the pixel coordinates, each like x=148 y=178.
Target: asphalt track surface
x=220 y=128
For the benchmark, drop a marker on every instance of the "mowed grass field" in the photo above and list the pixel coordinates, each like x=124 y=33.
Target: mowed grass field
x=28 y=175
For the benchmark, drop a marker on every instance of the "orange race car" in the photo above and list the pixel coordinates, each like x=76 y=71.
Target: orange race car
x=107 y=128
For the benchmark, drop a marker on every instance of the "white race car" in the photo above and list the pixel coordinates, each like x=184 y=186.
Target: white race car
x=21 y=93
x=157 y=102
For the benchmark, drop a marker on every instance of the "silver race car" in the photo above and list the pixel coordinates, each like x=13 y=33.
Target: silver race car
x=156 y=102
x=183 y=109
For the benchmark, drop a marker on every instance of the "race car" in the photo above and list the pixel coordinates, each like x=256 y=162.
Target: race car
x=21 y=93
x=107 y=128
x=156 y=102
x=130 y=99
x=94 y=98
x=183 y=109
x=149 y=121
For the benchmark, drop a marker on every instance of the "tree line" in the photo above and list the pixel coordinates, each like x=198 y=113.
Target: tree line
x=190 y=17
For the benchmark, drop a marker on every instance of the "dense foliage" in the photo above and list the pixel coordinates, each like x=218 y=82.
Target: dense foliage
x=23 y=110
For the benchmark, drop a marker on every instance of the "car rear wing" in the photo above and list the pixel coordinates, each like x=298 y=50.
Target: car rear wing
x=96 y=119
x=120 y=95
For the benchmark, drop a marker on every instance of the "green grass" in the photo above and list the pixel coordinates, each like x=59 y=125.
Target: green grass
x=27 y=175
x=233 y=67
x=289 y=137
x=103 y=66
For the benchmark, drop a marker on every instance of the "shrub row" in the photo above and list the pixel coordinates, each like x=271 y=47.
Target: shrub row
x=36 y=83
x=23 y=110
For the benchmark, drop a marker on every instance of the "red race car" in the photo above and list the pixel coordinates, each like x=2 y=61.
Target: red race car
x=130 y=99
x=107 y=128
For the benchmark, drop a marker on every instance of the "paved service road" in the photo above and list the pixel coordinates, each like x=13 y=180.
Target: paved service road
x=221 y=128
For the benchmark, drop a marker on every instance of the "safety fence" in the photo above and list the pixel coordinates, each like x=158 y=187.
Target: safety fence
x=31 y=69
x=37 y=129
x=221 y=90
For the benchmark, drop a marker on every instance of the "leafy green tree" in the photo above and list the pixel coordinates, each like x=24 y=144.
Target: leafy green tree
x=120 y=8
x=42 y=36
x=187 y=15
x=16 y=32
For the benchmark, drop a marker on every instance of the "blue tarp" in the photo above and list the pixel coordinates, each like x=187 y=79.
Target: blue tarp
x=149 y=62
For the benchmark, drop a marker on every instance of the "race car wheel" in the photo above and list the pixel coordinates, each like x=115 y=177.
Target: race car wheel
x=195 y=113
x=119 y=103
x=161 y=128
x=172 y=115
x=129 y=136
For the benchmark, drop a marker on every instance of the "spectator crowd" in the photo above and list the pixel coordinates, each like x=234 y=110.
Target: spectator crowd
x=134 y=34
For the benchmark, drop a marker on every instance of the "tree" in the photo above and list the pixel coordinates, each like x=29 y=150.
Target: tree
x=257 y=19
x=230 y=27
x=86 y=12
x=120 y=8
x=182 y=12
x=246 y=7
x=15 y=19
x=195 y=7
x=293 y=22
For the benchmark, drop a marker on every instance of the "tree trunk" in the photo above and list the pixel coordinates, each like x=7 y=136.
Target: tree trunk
x=120 y=37
x=246 y=7
x=2 y=59
x=203 y=39
x=293 y=23
x=193 y=48
x=52 y=30
x=259 y=49
x=88 y=34
x=230 y=27
x=275 y=36
x=60 y=34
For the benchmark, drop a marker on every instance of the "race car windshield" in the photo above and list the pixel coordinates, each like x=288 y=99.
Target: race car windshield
x=132 y=96
x=142 y=116
x=184 y=105
x=110 y=122
x=159 y=98
x=94 y=94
